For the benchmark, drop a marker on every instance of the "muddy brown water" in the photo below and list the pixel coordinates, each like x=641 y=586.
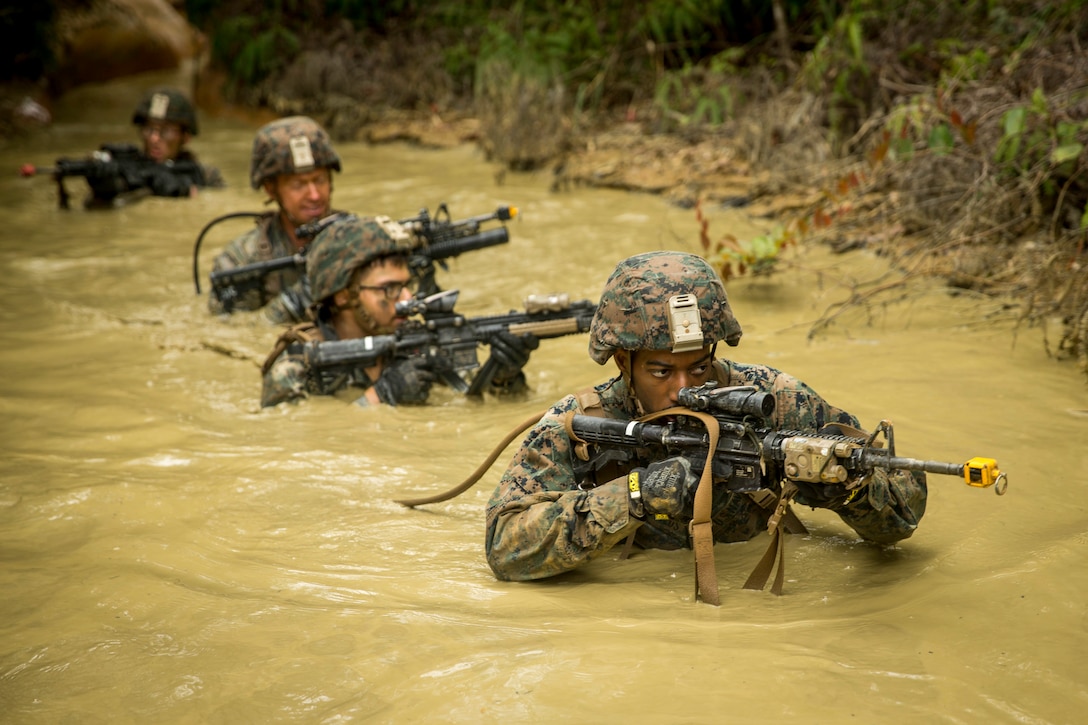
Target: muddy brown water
x=172 y=553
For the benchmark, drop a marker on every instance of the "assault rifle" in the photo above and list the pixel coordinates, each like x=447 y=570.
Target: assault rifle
x=448 y=340
x=438 y=240
x=113 y=170
x=748 y=455
x=751 y=455
x=441 y=238
x=229 y=285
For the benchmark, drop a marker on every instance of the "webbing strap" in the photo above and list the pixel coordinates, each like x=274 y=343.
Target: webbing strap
x=480 y=470
x=588 y=400
x=701 y=529
x=777 y=526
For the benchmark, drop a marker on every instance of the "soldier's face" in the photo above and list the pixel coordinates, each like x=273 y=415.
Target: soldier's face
x=162 y=140
x=303 y=198
x=658 y=375
x=374 y=288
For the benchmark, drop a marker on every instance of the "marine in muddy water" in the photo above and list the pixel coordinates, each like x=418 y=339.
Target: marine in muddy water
x=358 y=270
x=292 y=162
x=544 y=519
x=161 y=166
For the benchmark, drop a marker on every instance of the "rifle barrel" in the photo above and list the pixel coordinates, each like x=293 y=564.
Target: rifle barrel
x=452 y=247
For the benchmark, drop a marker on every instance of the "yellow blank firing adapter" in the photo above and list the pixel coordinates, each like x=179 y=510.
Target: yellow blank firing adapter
x=684 y=324
x=983 y=473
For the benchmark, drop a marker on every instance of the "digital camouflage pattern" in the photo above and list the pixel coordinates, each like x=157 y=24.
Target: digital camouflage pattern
x=166 y=104
x=633 y=312
x=292 y=145
x=345 y=245
x=285 y=297
x=540 y=523
x=286 y=377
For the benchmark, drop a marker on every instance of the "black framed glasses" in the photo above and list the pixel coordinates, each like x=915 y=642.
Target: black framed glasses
x=391 y=290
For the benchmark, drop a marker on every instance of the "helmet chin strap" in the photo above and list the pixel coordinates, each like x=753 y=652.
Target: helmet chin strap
x=625 y=374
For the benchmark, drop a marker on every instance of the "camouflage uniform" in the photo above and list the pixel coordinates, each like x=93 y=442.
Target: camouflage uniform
x=292 y=145
x=542 y=520
x=286 y=377
x=169 y=178
x=336 y=252
x=285 y=296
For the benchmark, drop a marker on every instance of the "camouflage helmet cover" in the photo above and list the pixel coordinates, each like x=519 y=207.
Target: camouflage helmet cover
x=634 y=310
x=345 y=245
x=166 y=104
x=292 y=145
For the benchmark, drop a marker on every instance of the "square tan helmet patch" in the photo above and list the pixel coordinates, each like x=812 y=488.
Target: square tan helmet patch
x=302 y=155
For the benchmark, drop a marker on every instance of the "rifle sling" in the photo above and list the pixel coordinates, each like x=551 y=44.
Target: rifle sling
x=588 y=401
x=777 y=526
x=480 y=470
x=701 y=528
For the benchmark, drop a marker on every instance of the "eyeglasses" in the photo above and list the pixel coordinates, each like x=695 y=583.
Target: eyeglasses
x=392 y=290
x=166 y=133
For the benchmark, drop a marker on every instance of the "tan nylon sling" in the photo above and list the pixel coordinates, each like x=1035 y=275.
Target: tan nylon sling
x=588 y=401
x=701 y=528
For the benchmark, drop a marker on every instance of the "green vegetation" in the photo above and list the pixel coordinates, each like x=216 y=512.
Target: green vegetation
x=948 y=136
x=967 y=121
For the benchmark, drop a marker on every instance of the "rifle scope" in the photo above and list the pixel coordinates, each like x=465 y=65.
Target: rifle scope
x=737 y=401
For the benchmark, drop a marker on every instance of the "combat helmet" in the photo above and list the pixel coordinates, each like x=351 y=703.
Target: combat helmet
x=347 y=244
x=166 y=104
x=292 y=145
x=661 y=301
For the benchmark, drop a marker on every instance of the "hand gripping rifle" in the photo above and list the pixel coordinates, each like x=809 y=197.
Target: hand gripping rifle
x=112 y=170
x=448 y=340
x=725 y=430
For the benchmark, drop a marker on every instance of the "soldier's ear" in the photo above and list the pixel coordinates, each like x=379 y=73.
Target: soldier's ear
x=270 y=188
x=623 y=359
x=342 y=298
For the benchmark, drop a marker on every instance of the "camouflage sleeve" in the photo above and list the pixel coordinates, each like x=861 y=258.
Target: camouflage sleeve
x=291 y=305
x=238 y=252
x=889 y=508
x=539 y=523
x=892 y=502
x=284 y=381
